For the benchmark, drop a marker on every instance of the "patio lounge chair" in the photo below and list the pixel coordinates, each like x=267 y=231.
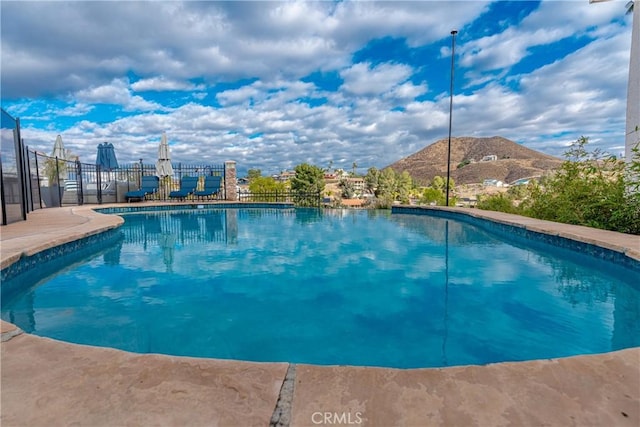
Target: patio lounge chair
x=149 y=185
x=211 y=187
x=188 y=186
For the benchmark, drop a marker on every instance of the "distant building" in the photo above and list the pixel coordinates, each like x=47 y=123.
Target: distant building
x=353 y=203
x=341 y=173
x=358 y=184
x=492 y=183
x=489 y=158
x=284 y=176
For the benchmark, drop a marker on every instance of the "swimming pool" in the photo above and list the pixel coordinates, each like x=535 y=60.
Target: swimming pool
x=328 y=287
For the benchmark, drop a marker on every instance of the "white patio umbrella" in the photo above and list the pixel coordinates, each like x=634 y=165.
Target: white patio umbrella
x=163 y=164
x=164 y=170
x=58 y=149
x=56 y=171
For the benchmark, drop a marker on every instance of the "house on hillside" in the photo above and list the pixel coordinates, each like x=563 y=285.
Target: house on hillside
x=284 y=176
x=358 y=184
x=493 y=183
x=489 y=158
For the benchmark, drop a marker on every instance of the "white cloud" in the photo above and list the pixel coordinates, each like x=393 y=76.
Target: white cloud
x=164 y=84
x=237 y=96
x=382 y=110
x=363 y=79
x=117 y=92
x=75 y=110
x=551 y=22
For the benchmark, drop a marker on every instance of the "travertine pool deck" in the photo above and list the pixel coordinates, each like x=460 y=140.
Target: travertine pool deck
x=44 y=382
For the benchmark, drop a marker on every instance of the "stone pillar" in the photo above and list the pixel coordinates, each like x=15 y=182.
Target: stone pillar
x=231 y=222
x=230 y=181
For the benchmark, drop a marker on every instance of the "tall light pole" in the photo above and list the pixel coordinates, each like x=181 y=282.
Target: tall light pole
x=453 y=55
x=632 y=139
x=632 y=129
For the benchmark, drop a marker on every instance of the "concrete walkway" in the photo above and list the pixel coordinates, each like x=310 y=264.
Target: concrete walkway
x=51 y=383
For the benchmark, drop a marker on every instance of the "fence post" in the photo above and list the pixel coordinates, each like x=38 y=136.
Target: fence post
x=99 y=184
x=38 y=178
x=58 y=181
x=141 y=174
x=79 y=193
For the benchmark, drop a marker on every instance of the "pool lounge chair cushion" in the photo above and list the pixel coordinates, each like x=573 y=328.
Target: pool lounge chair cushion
x=211 y=187
x=149 y=185
x=188 y=186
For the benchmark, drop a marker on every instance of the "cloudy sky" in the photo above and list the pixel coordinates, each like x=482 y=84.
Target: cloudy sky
x=274 y=84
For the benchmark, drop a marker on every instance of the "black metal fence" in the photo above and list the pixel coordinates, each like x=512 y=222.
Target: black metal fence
x=58 y=182
x=14 y=193
x=303 y=199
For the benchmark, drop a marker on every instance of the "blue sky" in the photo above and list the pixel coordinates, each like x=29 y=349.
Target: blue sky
x=274 y=84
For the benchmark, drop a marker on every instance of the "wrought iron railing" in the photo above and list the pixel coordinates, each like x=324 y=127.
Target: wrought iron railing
x=58 y=182
x=298 y=198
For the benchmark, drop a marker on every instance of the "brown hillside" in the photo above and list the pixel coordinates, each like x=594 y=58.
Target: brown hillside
x=514 y=161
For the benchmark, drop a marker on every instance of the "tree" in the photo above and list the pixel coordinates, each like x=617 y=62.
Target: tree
x=308 y=179
x=387 y=188
x=355 y=168
x=438 y=183
x=55 y=170
x=435 y=192
x=404 y=185
x=265 y=188
x=348 y=188
x=432 y=195
x=254 y=173
x=371 y=180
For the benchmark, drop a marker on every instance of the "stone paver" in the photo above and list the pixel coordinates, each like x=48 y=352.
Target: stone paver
x=601 y=390
x=51 y=383
x=45 y=382
x=46 y=228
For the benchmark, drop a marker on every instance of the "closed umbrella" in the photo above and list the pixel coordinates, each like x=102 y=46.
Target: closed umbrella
x=164 y=169
x=163 y=165
x=58 y=149
x=106 y=162
x=106 y=157
x=110 y=154
x=56 y=171
x=101 y=157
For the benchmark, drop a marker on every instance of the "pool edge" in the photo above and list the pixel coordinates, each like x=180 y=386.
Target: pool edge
x=608 y=240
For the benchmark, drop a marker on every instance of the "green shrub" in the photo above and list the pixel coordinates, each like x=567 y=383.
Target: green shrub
x=433 y=195
x=590 y=188
x=497 y=202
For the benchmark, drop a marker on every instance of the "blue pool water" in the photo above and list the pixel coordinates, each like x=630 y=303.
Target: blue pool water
x=328 y=287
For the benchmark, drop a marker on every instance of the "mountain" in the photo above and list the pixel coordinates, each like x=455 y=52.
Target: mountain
x=513 y=161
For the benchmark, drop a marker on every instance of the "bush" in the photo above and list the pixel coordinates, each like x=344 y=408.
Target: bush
x=433 y=195
x=463 y=164
x=498 y=202
x=590 y=188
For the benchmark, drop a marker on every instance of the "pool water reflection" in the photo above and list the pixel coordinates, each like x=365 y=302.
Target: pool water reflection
x=329 y=287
